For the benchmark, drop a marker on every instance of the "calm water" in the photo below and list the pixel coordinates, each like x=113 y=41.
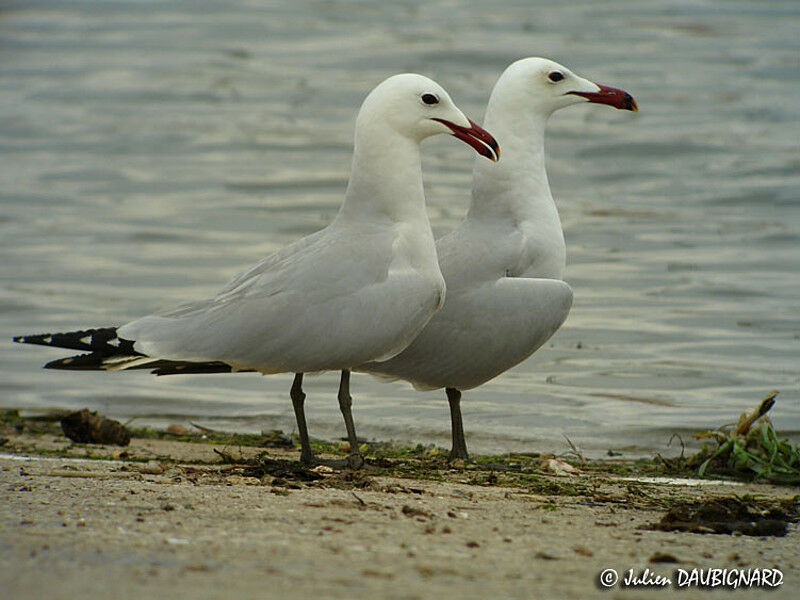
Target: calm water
x=150 y=150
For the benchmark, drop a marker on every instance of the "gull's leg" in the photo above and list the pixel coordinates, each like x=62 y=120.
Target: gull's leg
x=459 y=449
x=298 y=398
x=354 y=459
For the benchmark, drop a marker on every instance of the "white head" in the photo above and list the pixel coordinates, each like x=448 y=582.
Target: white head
x=544 y=86
x=416 y=107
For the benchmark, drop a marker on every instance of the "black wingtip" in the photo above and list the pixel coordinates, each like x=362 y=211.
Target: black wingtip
x=103 y=344
x=92 y=361
x=102 y=340
x=189 y=368
x=31 y=338
x=42 y=339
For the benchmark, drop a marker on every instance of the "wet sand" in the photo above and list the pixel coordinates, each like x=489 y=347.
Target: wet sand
x=167 y=519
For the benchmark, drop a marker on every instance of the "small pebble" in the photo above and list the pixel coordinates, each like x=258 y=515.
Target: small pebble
x=663 y=557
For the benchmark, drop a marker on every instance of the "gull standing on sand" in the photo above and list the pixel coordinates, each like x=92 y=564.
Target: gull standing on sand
x=359 y=290
x=504 y=263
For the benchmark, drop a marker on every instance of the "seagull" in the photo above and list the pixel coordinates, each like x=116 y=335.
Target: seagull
x=359 y=290
x=504 y=263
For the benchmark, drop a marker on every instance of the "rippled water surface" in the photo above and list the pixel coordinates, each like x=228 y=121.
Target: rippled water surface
x=150 y=150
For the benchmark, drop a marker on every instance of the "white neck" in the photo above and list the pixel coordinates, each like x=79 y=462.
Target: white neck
x=385 y=179
x=516 y=189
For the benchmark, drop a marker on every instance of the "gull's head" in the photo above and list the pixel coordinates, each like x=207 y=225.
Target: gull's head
x=547 y=86
x=416 y=107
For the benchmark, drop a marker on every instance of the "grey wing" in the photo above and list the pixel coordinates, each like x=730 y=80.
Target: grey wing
x=480 y=333
x=270 y=308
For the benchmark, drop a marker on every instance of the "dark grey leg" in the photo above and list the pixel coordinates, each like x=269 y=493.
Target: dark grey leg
x=298 y=398
x=354 y=459
x=459 y=449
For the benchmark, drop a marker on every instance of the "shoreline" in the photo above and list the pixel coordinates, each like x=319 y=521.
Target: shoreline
x=192 y=518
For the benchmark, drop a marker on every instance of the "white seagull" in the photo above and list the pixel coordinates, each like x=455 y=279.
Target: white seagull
x=359 y=290
x=504 y=263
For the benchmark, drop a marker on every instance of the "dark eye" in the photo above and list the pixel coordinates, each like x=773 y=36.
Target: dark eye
x=555 y=76
x=430 y=99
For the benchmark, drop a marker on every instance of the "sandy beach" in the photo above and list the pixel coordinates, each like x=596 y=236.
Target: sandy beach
x=174 y=519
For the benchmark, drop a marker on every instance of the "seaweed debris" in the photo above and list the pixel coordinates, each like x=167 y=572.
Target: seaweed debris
x=279 y=468
x=87 y=427
x=752 y=448
x=745 y=515
x=747 y=450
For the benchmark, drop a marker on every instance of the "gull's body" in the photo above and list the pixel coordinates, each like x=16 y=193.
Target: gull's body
x=359 y=290
x=321 y=303
x=505 y=262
